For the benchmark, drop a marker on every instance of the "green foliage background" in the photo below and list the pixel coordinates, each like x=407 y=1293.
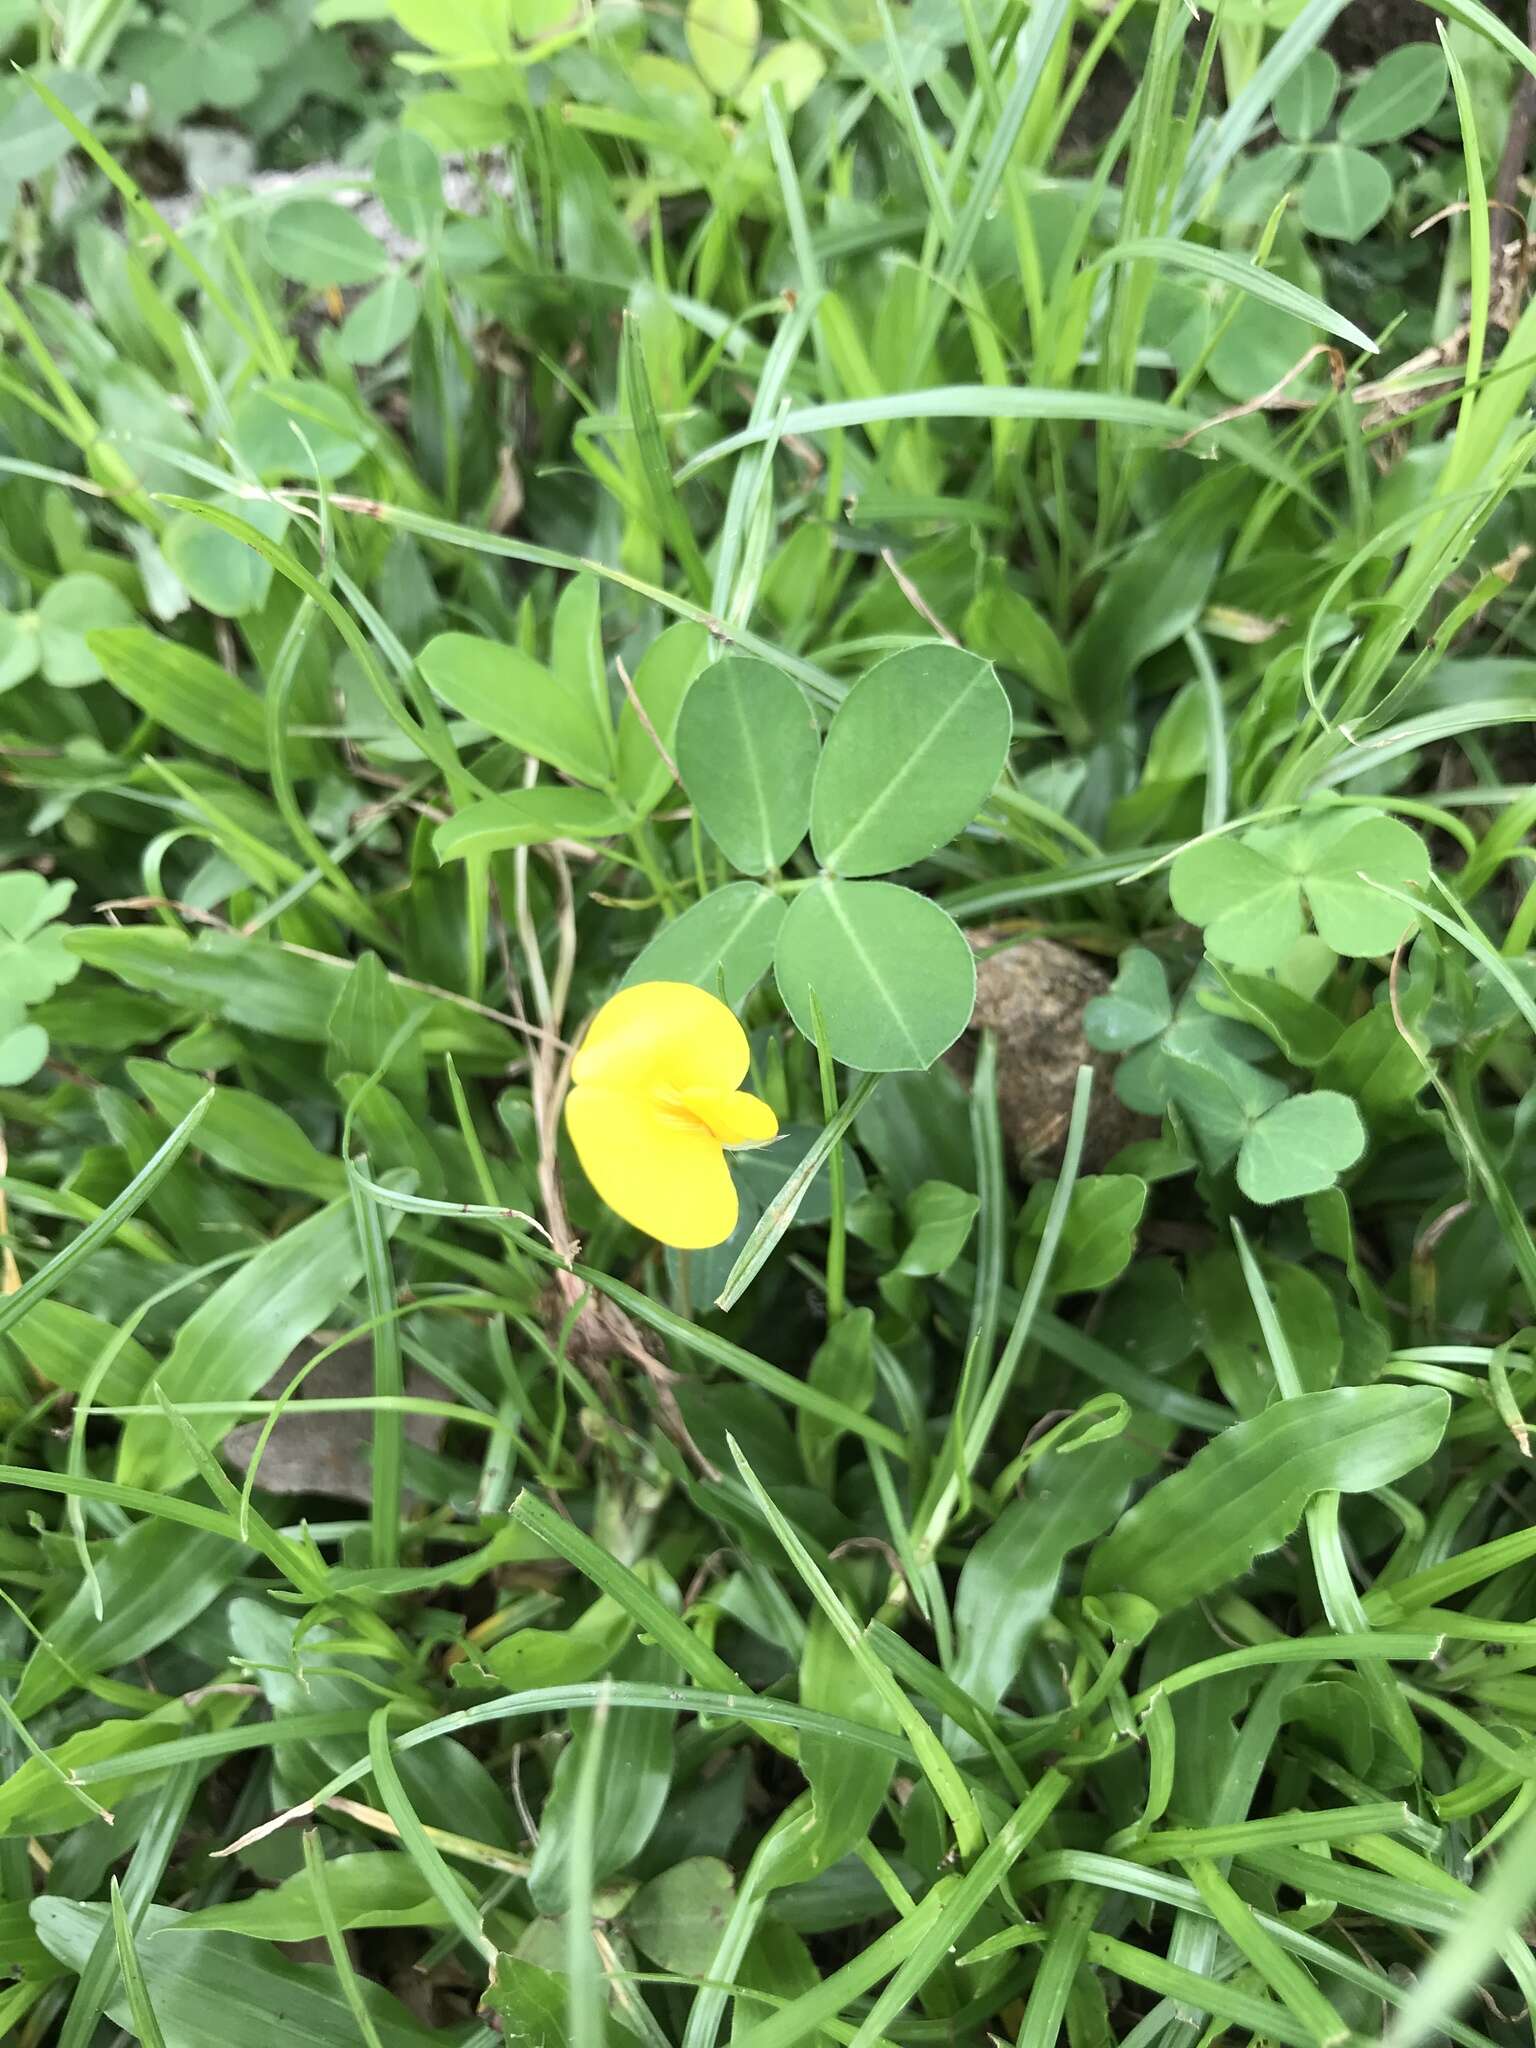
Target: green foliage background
x=505 y=498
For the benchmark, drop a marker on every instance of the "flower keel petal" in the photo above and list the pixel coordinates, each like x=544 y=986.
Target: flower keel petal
x=734 y=1117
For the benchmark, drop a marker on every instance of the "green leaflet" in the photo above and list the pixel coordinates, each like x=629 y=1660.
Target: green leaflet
x=911 y=756
x=551 y=715
x=892 y=973
x=184 y=690
x=366 y=1890
x=747 y=750
x=724 y=943
x=1246 y=1490
x=1013 y=1571
x=219 y=1987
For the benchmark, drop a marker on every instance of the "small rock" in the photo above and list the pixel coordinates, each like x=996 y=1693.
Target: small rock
x=1032 y=996
x=328 y=1453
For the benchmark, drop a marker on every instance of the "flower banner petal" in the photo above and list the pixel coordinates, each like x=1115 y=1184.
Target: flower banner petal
x=663 y=1035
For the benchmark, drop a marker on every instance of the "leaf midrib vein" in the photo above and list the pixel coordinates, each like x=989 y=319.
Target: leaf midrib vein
x=859 y=953
x=908 y=768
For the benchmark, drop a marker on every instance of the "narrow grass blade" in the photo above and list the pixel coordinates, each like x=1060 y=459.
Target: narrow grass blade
x=955 y=402
x=782 y=1210
x=1284 y=1976
x=388 y=1381
x=804 y=2017
x=948 y=1785
x=928 y=1948
x=1460 y=1964
x=446 y=1888
x=104 y=1227
x=335 y=1940
x=145 y=2025
x=1240 y=275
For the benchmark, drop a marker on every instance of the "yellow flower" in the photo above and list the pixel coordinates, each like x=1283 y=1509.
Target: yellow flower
x=655 y=1101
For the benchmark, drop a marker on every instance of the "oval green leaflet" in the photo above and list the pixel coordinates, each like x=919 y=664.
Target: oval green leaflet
x=516 y=699
x=528 y=817
x=1244 y=1492
x=724 y=943
x=892 y=972
x=911 y=757
x=746 y=750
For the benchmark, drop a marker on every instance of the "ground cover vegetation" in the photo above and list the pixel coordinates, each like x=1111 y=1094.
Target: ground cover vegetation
x=990 y=539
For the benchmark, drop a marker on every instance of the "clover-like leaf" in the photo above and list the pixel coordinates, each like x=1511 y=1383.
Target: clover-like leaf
x=1137 y=1007
x=1305 y=101
x=793 y=69
x=33 y=958
x=1220 y=1096
x=1196 y=1036
x=20 y=648
x=1347 y=855
x=223 y=573
x=1345 y=193
x=33 y=963
x=383 y=321
x=23 y=1046
x=1249 y=893
x=1244 y=894
x=1256 y=183
x=203 y=53
x=408 y=180
x=318 y=243
x=70 y=610
x=293 y=426
x=1300 y=1147
x=1401 y=94
x=722 y=40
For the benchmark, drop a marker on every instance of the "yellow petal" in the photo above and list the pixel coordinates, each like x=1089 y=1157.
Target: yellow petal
x=735 y=1117
x=663 y=1035
x=661 y=1171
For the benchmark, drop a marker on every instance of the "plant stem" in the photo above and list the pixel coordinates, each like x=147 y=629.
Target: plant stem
x=837 y=1235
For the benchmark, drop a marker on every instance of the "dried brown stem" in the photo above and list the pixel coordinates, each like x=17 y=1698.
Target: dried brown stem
x=1512 y=164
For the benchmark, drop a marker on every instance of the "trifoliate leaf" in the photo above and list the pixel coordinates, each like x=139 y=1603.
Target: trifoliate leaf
x=1137 y=1006
x=1300 y=1147
x=33 y=959
x=1249 y=893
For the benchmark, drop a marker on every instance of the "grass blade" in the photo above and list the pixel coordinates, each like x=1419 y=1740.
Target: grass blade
x=105 y=1226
